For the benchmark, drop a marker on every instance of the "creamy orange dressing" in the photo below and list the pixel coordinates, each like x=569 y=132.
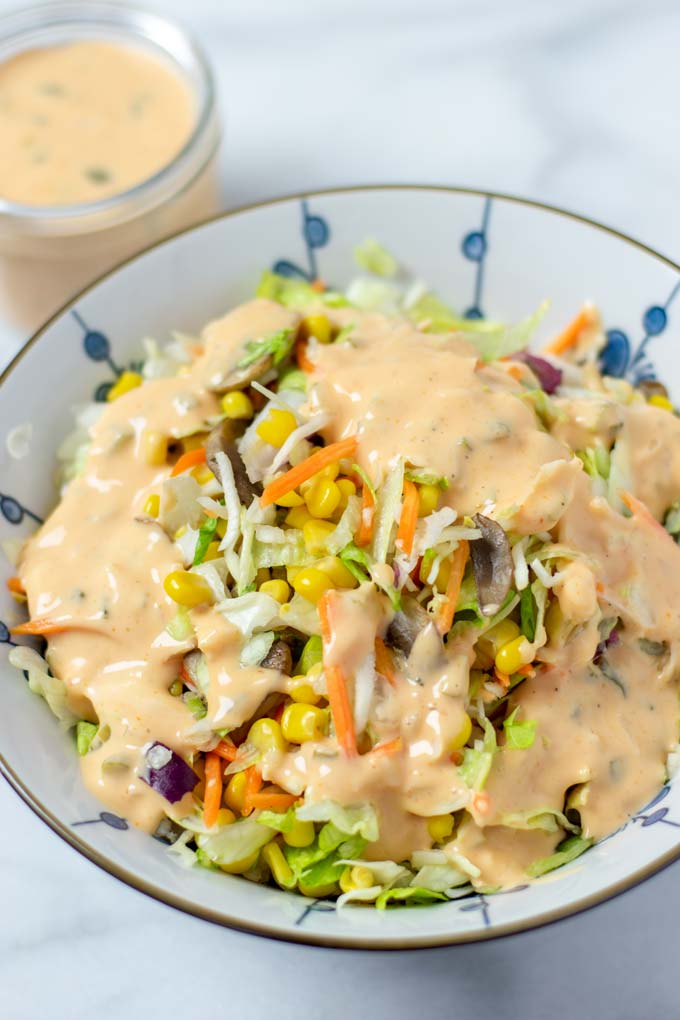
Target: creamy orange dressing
x=602 y=733
x=87 y=120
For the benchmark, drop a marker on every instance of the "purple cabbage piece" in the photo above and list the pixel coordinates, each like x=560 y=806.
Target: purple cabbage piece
x=613 y=639
x=548 y=376
x=167 y=773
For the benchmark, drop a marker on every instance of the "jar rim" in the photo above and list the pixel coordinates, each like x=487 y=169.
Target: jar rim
x=155 y=31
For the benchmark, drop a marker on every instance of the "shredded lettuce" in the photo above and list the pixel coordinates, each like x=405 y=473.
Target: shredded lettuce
x=312 y=654
x=41 y=681
x=371 y=295
x=320 y=863
x=546 y=819
x=519 y=735
x=279 y=821
x=426 y=478
x=411 y=896
x=358 y=819
x=373 y=258
x=206 y=533
x=477 y=761
x=278 y=345
x=568 y=850
x=256 y=648
x=233 y=843
x=387 y=510
x=527 y=613
x=254 y=611
x=180 y=627
x=85 y=734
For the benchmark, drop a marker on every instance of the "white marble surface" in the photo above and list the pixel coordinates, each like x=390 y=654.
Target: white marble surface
x=573 y=102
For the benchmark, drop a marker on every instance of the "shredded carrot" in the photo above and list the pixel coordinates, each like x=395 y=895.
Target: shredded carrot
x=272 y=801
x=571 y=334
x=225 y=749
x=599 y=588
x=336 y=686
x=384 y=663
x=303 y=361
x=481 y=802
x=47 y=626
x=456 y=757
x=285 y=483
x=185 y=676
x=365 y=532
x=446 y=613
x=15 y=586
x=279 y=712
x=212 y=798
x=387 y=747
x=253 y=786
x=527 y=671
x=502 y=678
x=319 y=286
x=408 y=517
x=188 y=460
x=514 y=370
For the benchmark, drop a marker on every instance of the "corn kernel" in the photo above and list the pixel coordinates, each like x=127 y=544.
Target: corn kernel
x=292 y=573
x=265 y=734
x=221 y=528
x=301 y=722
x=356 y=877
x=237 y=405
x=291 y=499
x=658 y=400
x=312 y=653
x=315 y=534
x=318 y=326
x=152 y=505
x=347 y=489
x=463 y=735
x=225 y=816
x=277 y=426
x=301 y=834
x=126 y=381
x=202 y=474
x=501 y=634
x=235 y=792
x=323 y=498
x=240 y=867
x=278 y=865
x=212 y=552
x=194 y=442
x=154 y=447
x=513 y=655
x=428 y=499
x=298 y=517
x=304 y=693
x=311 y=583
x=440 y=827
x=180 y=531
x=330 y=472
x=187 y=589
x=278 y=590
x=337 y=571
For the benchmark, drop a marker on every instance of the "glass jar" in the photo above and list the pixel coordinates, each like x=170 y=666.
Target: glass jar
x=48 y=253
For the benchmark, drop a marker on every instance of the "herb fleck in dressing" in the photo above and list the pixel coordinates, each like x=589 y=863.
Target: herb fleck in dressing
x=87 y=120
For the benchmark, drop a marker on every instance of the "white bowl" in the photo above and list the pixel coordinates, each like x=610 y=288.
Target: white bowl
x=485 y=253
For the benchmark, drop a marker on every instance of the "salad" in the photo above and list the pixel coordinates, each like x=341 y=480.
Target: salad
x=362 y=599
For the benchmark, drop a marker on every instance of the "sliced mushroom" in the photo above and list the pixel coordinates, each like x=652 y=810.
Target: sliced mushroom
x=407 y=624
x=279 y=657
x=239 y=378
x=222 y=439
x=492 y=565
x=652 y=388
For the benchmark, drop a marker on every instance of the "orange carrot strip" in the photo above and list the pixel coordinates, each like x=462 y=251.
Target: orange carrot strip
x=303 y=361
x=502 y=678
x=188 y=460
x=319 y=286
x=446 y=613
x=387 y=747
x=527 y=671
x=570 y=335
x=384 y=663
x=185 y=676
x=365 y=532
x=225 y=749
x=336 y=687
x=253 y=786
x=284 y=484
x=408 y=517
x=272 y=801
x=47 y=626
x=212 y=798
x=15 y=586
x=481 y=802
x=515 y=371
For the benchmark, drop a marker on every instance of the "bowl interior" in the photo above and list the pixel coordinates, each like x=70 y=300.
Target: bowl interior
x=495 y=256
